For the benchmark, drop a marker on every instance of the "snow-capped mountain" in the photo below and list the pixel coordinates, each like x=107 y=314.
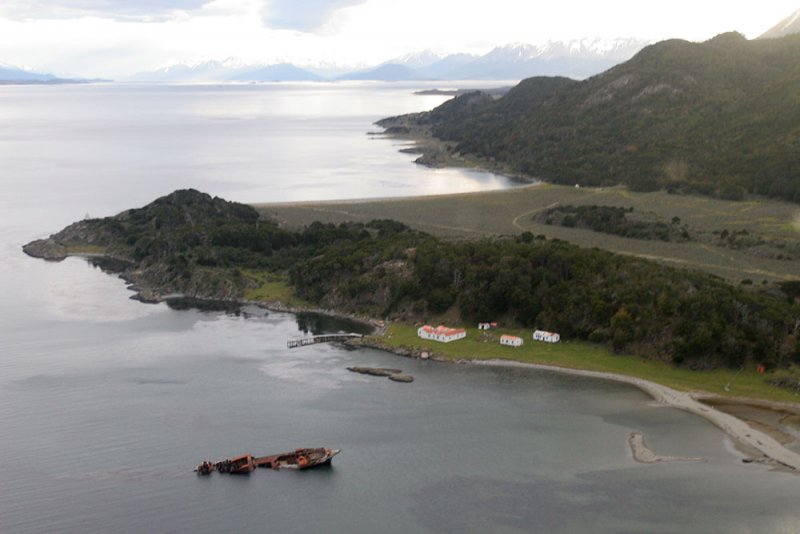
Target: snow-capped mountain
x=787 y=26
x=387 y=72
x=282 y=72
x=442 y=68
x=416 y=60
x=234 y=69
x=422 y=65
x=210 y=70
x=577 y=58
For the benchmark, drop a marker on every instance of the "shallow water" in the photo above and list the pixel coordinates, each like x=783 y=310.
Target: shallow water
x=107 y=404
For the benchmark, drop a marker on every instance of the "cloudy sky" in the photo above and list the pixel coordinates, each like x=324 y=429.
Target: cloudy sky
x=119 y=37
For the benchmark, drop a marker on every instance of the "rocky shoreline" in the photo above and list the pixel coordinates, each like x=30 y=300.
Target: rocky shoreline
x=437 y=153
x=395 y=375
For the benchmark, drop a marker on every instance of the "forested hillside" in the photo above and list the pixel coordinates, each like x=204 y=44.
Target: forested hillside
x=200 y=246
x=719 y=118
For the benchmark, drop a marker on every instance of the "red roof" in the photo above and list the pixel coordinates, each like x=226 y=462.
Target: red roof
x=442 y=330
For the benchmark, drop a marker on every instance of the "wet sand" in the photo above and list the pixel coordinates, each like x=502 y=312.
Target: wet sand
x=779 y=420
x=643 y=454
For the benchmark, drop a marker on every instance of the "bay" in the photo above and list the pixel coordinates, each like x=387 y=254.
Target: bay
x=107 y=404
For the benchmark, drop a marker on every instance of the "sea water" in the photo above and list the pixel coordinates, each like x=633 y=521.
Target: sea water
x=107 y=404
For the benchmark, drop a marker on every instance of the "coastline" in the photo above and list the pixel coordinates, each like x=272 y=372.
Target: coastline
x=742 y=433
x=761 y=446
x=758 y=445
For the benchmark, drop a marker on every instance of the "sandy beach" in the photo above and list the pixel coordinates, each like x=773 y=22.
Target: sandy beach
x=750 y=438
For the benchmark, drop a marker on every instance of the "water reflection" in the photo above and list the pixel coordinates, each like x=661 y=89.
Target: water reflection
x=316 y=323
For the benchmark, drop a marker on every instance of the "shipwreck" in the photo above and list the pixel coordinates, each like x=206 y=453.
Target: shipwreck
x=247 y=463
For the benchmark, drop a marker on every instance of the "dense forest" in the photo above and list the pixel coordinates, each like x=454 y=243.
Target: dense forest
x=719 y=118
x=205 y=247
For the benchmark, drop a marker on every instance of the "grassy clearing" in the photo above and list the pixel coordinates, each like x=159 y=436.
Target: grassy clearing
x=86 y=249
x=578 y=355
x=271 y=288
x=510 y=212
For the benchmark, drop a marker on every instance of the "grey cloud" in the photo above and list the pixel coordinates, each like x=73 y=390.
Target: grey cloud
x=116 y=9
x=302 y=15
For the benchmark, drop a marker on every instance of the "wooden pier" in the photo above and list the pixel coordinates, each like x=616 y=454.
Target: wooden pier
x=322 y=338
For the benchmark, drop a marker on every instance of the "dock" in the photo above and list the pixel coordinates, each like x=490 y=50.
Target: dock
x=322 y=338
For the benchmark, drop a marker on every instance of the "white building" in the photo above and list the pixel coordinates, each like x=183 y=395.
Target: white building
x=549 y=337
x=511 y=341
x=487 y=326
x=441 y=333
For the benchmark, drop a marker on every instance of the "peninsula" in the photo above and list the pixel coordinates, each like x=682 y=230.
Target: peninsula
x=624 y=317
x=712 y=118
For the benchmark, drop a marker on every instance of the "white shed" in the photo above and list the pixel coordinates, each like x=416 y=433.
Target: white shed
x=510 y=341
x=547 y=337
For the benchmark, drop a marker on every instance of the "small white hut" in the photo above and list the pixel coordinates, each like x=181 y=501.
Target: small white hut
x=510 y=341
x=547 y=337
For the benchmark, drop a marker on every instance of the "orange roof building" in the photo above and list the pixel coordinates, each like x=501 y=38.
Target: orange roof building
x=441 y=333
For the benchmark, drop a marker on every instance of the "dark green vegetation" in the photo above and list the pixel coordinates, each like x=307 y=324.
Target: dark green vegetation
x=191 y=243
x=719 y=118
x=614 y=220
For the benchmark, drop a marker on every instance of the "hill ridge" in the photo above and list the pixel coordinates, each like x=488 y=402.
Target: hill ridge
x=716 y=118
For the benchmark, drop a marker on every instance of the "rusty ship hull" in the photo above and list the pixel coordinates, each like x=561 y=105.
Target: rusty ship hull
x=246 y=463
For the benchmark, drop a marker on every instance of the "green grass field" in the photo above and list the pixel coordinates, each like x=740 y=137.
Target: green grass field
x=272 y=288
x=579 y=355
x=510 y=212
x=86 y=249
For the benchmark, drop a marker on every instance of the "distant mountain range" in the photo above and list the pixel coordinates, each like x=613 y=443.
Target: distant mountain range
x=576 y=59
x=16 y=75
x=11 y=75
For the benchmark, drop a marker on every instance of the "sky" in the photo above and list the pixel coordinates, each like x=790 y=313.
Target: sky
x=116 y=38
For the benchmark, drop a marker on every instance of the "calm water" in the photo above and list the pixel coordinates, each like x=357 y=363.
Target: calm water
x=107 y=404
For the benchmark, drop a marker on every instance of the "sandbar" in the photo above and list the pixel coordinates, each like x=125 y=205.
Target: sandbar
x=751 y=438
